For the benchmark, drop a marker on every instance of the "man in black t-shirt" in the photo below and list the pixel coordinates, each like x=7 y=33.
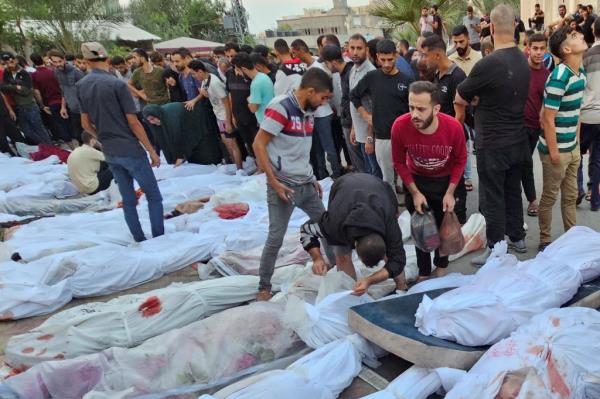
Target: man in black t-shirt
x=239 y=114
x=437 y=24
x=500 y=81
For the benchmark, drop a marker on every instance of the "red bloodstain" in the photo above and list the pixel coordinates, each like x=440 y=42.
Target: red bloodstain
x=16 y=371
x=150 y=307
x=27 y=350
x=6 y=316
x=60 y=356
x=42 y=352
x=46 y=337
x=557 y=382
x=555 y=321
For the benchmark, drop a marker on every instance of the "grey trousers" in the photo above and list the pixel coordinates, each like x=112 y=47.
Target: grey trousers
x=305 y=198
x=356 y=156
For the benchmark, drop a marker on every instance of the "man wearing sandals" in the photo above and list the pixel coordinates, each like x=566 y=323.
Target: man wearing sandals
x=539 y=75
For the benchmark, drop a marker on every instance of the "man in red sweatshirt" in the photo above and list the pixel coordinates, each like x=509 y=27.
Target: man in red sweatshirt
x=429 y=153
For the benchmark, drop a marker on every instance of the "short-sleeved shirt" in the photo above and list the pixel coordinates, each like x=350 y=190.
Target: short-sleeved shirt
x=468 y=62
x=190 y=85
x=473 y=35
x=238 y=88
x=289 y=149
x=67 y=78
x=261 y=93
x=501 y=81
x=83 y=164
x=564 y=93
x=425 y=23
x=216 y=92
x=447 y=85
x=152 y=83
x=45 y=81
x=107 y=100
x=440 y=29
x=535 y=97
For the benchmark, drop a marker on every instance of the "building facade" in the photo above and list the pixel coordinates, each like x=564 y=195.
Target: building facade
x=550 y=8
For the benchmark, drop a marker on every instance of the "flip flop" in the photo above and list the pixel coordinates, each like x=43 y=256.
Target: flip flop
x=469 y=186
x=588 y=196
x=533 y=212
x=580 y=198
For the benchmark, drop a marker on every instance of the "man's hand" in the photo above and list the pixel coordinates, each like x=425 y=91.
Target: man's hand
x=228 y=126
x=143 y=96
x=361 y=286
x=64 y=113
x=448 y=202
x=18 y=87
x=234 y=121
x=318 y=189
x=401 y=282
x=12 y=115
x=189 y=105
x=46 y=109
x=319 y=267
x=555 y=157
x=155 y=159
x=204 y=92
x=419 y=200
x=353 y=138
x=283 y=191
x=370 y=148
x=178 y=162
x=369 y=118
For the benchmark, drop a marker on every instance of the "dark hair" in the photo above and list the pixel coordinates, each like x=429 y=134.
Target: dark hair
x=232 y=46
x=372 y=45
x=469 y=8
x=404 y=43
x=423 y=86
x=7 y=55
x=386 y=46
x=318 y=79
x=55 y=53
x=257 y=58
x=558 y=38
x=460 y=30
x=182 y=52
x=537 y=37
x=155 y=56
x=21 y=60
x=562 y=6
x=140 y=52
x=219 y=50
x=69 y=57
x=242 y=60
x=434 y=42
x=320 y=40
x=169 y=73
x=371 y=249
x=281 y=46
x=425 y=35
x=300 y=44
x=596 y=27
x=36 y=59
x=332 y=53
x=358 y=36
x=79 y=56
x=117 y=60
x=262 y=50
x=246 y=48
x=332 y=38
x=87 y=137
x=435 y=7
x=197 y=65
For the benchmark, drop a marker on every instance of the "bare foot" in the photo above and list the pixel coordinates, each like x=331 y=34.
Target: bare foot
x=422 y=278
x=440 y=272
x=401 y=282
x=263 y=295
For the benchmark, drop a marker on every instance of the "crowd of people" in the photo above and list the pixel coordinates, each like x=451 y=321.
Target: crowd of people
x=379 y=118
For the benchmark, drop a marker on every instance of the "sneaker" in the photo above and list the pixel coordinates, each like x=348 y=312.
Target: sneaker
x=595 y=208
x=481 y=259
x=263 y=295
x=517 y=246
x=543 y=245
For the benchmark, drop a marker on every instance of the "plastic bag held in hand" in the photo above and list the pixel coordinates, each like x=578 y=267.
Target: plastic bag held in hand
x=424 y=230
x=452 y=240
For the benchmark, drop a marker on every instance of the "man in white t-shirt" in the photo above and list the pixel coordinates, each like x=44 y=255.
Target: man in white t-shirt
x=426 y=21
x=213 y=88
x=87 y=169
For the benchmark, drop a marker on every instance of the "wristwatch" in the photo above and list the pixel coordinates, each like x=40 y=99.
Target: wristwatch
x=370 y=140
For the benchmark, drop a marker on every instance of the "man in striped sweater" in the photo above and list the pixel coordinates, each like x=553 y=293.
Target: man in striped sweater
x=558 y=148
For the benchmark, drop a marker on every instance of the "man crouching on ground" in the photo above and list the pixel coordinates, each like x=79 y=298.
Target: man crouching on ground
x=282 y=148
x=362 y=214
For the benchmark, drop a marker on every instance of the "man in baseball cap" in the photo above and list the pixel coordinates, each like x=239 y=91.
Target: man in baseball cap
x=93 y=51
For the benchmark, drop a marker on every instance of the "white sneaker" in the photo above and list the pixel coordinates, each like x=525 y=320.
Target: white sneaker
x=481 y=259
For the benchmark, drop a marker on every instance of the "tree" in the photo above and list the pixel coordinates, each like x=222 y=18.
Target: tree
x=66 y=23
x=196 y=18
x=407 y=12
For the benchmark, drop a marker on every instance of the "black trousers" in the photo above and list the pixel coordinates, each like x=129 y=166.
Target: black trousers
x=434 y=189
x=105 y=176
x=9 y=129
x=500 y=172
x=248 y=133
x=528 y=180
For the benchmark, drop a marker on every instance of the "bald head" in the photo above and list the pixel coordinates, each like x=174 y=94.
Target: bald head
x=503 y=20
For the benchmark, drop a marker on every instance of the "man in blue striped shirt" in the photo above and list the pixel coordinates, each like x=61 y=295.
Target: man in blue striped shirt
x=558 y=147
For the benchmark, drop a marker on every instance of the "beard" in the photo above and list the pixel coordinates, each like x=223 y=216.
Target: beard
x=422 y=124
x=461 y=51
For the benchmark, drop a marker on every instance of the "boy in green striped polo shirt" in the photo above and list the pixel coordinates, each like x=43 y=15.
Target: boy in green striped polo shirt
x=558 y=146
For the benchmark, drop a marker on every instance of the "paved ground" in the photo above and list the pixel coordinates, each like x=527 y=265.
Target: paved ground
x=392 y=366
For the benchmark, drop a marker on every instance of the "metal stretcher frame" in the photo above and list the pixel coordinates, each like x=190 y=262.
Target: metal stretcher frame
x=391 y=325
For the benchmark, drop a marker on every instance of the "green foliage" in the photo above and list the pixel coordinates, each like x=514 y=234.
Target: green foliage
x=194 y=18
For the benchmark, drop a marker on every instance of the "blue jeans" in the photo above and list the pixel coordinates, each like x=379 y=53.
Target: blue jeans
x=371 y=165
x=590 y=140
x=324 y=135
x=30 y=122
x=125 y=170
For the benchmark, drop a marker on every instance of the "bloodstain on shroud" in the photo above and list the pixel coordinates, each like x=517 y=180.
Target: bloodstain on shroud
x=150 y=307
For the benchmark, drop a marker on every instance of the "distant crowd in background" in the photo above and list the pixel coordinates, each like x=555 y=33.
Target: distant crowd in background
x=506 y=102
